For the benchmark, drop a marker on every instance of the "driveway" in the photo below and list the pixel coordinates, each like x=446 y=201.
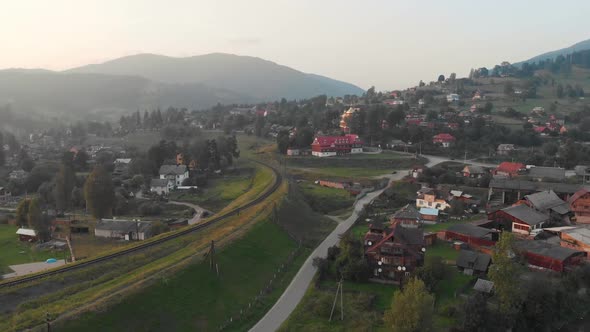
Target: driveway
x=24 y=269
x=295 y=291
x=198 y=211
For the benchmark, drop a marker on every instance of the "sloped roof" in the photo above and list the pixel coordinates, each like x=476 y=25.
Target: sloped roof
x=577 y=195
x=535 y=186
x=473 y=260
x=122 y=226
x=172 y=169
x=484 y=286
x=407 y=212
x=581 y=234
x=545 y=200
x=26 y=231
x=429 y=211
x=470 y=230
x=546 y=249
x=526 y=214
x=554 y=173
x=331 y=140
x=159 y=182
x=475 y=169
x=443 y=137
x=508 y=167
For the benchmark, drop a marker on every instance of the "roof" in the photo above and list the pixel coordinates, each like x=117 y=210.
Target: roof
x=577 y=195
x=122 y=226
x=473 y=260
x=172 y=169
x=475 y=169
x=410 y=236
x=407 y=212
x=581 y=170
x=332 y=140
x=548 y=200
x=122 y=160
x=505 y=147
x=429 y=211
x=470 y=230
x=443 y=137
x=564 y=188
x=554 y=173
x=546 y=249
x=526 y=214
x=508 y=167
x=26 y=231
x=484 y=286
x=159 y=183
x=581 y=234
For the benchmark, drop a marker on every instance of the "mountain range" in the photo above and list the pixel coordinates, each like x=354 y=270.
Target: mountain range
x=150 y=81
x=581 y=46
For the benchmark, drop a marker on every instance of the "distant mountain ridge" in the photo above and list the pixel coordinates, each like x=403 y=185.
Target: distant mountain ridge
x=245 y=75
x=148 y=81
x=581 y=46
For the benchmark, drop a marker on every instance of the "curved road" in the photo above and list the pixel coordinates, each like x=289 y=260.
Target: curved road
x=291 y=297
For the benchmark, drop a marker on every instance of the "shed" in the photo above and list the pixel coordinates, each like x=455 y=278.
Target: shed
x=28 y=235
x=473 y=263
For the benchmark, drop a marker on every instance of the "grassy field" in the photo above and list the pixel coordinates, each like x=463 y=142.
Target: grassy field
x=13 y=251
x=195 y=298
x=219 y=191
x=338 y=173
x=326 y=200
x=442 y=249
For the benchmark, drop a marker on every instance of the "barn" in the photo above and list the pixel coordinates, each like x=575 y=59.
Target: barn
x=542 y=254
x=473 y=235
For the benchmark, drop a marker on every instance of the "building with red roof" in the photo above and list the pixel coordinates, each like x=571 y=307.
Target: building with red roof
x=580 y=205
x=445 y=139
x=509 y=169
x=327 y=146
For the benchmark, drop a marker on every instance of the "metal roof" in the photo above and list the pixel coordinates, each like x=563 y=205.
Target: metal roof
x=473 y=260
x=26 y=231
x=470 y=230
x=526 y=214
x=173 y=169
x=546 y=249
x=554 y=173
x=548 y=200
x=564 y=188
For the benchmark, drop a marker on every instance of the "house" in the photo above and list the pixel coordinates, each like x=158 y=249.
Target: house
x=453 y=125
x=473 y=263
x=326 y=146
x=17 y=174
x=523 y=218
x=505 y=149
x=417 y=170
x=175 y=173
x=123 y=229
x=584 y=172
x=27 y=235
x=542 y=130
x=544 y=255
x=125 y=161
x=429 y=214
x=292 y=152
x=509 y=169
x=161 y=186
x=471 y=171
x=429 y=198
x=579 y=204
x=4 y=194
x=452 y=97
x=547 y=202
x=473 y=235
x=539 y=173
x=397 y=252
x=444 y=139
x=577 y=238
x=408 y=216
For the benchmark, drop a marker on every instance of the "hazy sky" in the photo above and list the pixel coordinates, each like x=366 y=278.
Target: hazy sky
x=389 y=44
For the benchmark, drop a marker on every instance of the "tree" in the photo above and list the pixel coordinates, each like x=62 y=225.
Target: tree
x=99 y=193
x=550 y=149
x=475 y=313
x=283 y=141
x=559 y=91
x=36 y=219
x=441 y=78
x=81 y=160
x=488 y=107
x=65 y=181
x=433 y=271
x=504 y=274
x=411 y=309
x=22 y=212
x=508 y=88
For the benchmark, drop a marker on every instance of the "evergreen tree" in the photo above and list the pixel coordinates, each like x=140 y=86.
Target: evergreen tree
x=65 y=181
x=99 y=193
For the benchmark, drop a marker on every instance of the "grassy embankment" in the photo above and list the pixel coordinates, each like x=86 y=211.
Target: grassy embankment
x=25 y=306
x=13 y=251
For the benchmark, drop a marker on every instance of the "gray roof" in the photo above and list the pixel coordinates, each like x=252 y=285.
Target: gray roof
x=407 y=212
x=159 y=182
x=172 y=169
x=581 y=170
x=409 y=236
x=470 y=230
x=505 y=147
x=548 y=200
x=476 y=169
x=526 y=214
x=546 y=249
x=562 y=188
x=580 y=234
x=554 y=173
x=484 y=286
x=123 y=226
x=468 y=259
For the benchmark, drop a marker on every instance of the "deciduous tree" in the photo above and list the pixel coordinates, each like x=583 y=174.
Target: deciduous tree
x=99 y=193
x=411 y=309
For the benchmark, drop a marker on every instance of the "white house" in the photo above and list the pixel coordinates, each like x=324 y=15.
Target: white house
x=161 y=186
x=175 y=173
x=123 y=229
x=452 y=97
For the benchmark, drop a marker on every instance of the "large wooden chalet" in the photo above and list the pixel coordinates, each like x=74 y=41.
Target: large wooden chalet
x=580 y=205
x=395 y=251
x=327 y=146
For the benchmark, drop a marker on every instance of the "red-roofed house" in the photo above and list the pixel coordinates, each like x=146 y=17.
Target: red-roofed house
x=580 y=205
x=541 y=130
x=445 y=139
x=508 y=169
x=326 y=146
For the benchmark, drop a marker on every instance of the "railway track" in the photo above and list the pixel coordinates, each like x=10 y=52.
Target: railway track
x=195 y=228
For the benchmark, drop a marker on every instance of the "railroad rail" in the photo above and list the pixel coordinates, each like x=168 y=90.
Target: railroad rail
x=198 y=227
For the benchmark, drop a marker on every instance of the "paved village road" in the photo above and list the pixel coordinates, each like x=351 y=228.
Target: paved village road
x=295 y=291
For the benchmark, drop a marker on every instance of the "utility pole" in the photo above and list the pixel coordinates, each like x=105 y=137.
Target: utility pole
x=338 y=292
x=211 y=253
x=48 y=321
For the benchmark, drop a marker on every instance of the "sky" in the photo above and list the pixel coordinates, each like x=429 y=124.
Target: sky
x=388 y=44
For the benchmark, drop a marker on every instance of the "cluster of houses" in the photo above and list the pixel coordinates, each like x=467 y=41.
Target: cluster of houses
x=171 y=176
